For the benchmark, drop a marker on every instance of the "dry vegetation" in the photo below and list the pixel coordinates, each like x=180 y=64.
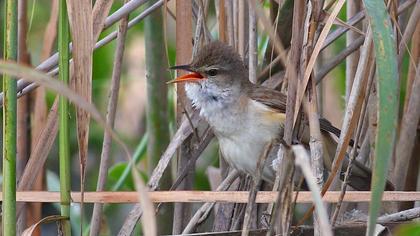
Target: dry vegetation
x=312 y=50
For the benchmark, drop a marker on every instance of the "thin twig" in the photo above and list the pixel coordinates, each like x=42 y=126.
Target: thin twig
x=110 y=118
x=335 y=61
x=195 y=154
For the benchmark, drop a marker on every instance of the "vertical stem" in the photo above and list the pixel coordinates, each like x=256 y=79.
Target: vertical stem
x=156 y=110
x=110 y=120
x=353 y=8
x=22 y=122
x=286 y=168
x=184 y=35
x=9 y=122
x=229 y=23
x=64 y=150
x=222 y=21
x=242 y=16
x=253 y=44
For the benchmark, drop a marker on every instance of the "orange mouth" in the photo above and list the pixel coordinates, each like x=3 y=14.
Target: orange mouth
x=191 y=77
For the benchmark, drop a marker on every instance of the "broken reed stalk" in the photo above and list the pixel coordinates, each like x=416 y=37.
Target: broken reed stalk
x=9 y=121
x=64 y=130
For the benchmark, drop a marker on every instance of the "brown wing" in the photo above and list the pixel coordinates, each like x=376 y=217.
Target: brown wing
x=269 y=97
x=277 y=100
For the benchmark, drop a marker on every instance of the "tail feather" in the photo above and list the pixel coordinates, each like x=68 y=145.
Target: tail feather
x=360 y=177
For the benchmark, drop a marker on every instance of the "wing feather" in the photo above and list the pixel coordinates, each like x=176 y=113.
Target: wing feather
x=277 y=101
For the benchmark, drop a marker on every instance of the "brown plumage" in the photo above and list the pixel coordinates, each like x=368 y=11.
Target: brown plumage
x=244 y=116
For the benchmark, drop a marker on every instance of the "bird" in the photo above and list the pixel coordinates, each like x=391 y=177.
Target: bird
x=246 y=117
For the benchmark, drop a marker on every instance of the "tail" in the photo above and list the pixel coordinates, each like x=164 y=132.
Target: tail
x=360 y=177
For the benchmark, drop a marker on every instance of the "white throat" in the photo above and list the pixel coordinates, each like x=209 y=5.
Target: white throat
x=209 y=98
x=219 y=106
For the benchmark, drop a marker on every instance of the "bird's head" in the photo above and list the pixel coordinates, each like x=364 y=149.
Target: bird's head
x=215 y=63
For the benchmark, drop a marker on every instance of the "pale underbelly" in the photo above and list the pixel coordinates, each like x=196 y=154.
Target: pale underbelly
x=243 y=155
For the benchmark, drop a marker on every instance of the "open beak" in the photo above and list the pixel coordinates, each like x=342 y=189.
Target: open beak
x=191 y=77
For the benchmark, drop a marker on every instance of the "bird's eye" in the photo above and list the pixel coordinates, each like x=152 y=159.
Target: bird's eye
x=212 y=72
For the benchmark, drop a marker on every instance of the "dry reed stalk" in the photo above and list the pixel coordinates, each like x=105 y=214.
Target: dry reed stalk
x=110 y=119
x=253 y=45
x=311 y=63
x=242 y=27
x=40 y=151
x=415 y=54
x=351 y=114
x=23 y=107
x=222 y=21
x=210 y=196
x=353 y=7
x=310 y=105
x=184 y=35
x=408 y=133
x=229 y=23
x=39 y=119
x=336 y=60
x=285 y=170
x=411 y=180
x=358 y=133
